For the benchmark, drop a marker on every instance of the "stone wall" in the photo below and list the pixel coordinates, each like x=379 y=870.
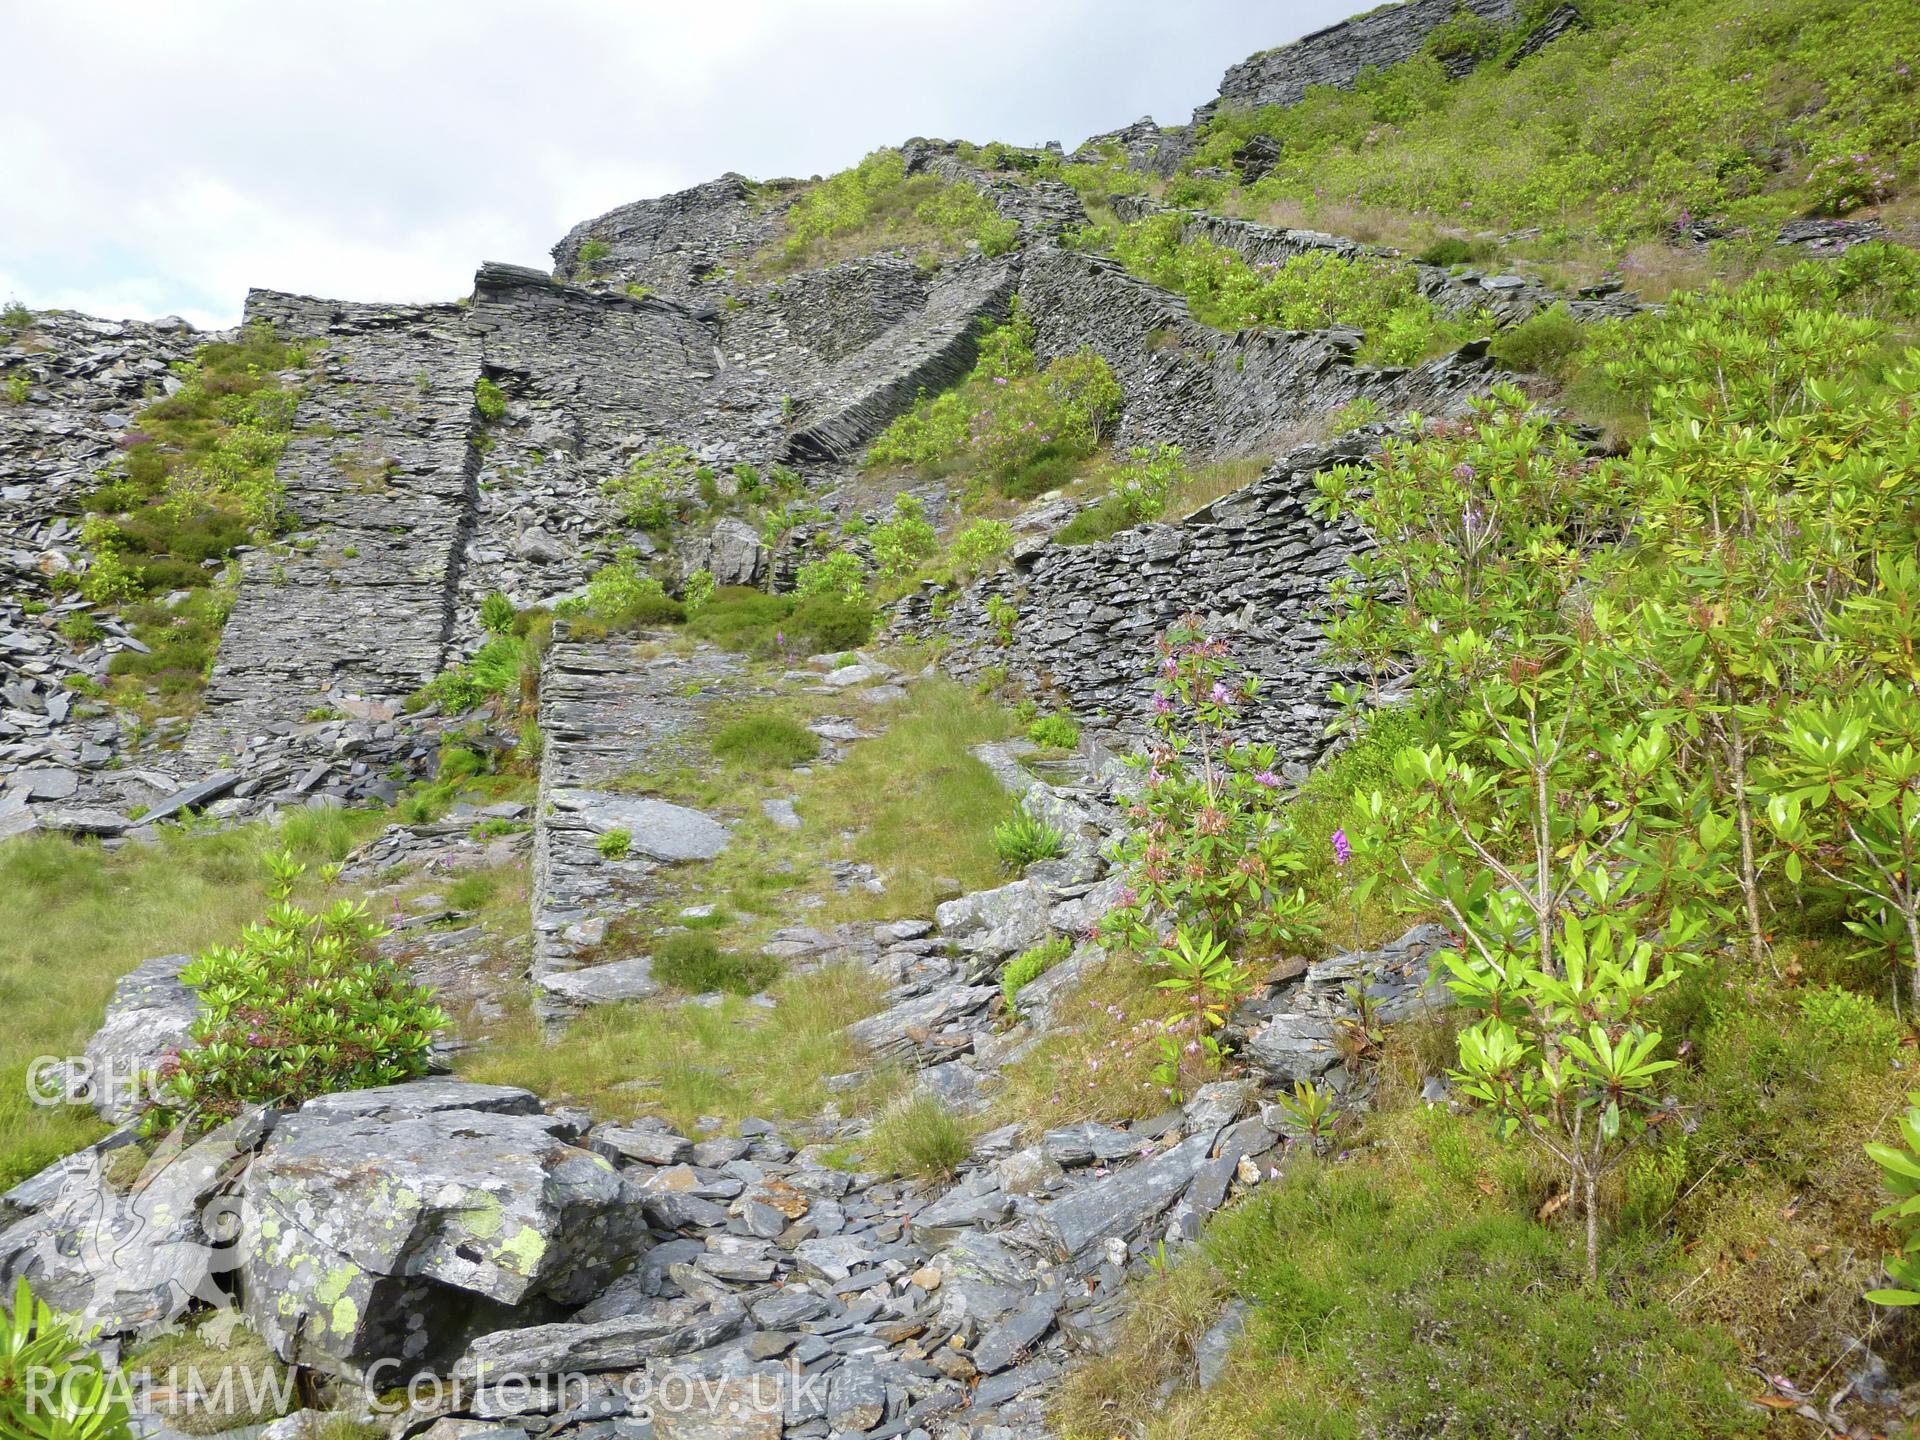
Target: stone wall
x=1255 y=564
x=1209 y=391
x=1337 y=54
x=380 y=474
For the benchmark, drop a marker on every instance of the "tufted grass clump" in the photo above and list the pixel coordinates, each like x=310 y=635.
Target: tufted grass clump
x=922 y=1138
x=766 y=741
x=691 y=961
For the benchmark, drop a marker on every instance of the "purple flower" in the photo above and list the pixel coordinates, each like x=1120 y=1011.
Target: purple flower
x=1342 y=847
x=1220 y=695
x=1463 y=471
x=999 y=379
x=1170 y=665
x=1162 y=705
x=1268 y=779
x=780 y=638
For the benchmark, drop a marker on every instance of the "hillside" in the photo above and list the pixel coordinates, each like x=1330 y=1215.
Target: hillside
x=1259 y=780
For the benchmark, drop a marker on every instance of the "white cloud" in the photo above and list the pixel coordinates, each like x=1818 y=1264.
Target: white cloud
x=163 y=158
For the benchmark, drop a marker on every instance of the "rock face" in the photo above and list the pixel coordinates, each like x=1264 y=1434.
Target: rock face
x=395 y=1226
x=1383 y=36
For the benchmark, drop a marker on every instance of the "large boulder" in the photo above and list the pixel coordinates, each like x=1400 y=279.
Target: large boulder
x=148 y=1017
x=655 y=828
x=384 y=1229
x=131 y=1242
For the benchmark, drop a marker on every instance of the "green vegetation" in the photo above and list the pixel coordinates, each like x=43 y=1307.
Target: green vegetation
x=1023 y=838
x=692 y=962
x=658 y=487
x=258 y=1381
x=766 y=741
x=37 y=1342
x=1409 y=1292
x=904 y=541
x=1013 y=425
x=197 y=480
x=301 y=1005
x=1030 y=965
x=878 y=206
x=1057 y=732
x=920 y=1137
x=490 y=400
x=1313 y=291
x=1754 y=110
x=756 y=623
x=614 y=844
x=733 y=1059
x=92 y=915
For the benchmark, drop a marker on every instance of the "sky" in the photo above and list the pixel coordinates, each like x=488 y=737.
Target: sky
x=161 y=158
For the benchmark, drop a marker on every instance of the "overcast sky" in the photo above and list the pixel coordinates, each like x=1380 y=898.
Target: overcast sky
x=160 y=158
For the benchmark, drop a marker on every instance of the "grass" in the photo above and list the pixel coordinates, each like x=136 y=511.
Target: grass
x=1097 y=1061
x=87 y=916
x=1703 y=107
x=694 y=963
x=878 y=206
x=920 y=1137
x=731 y=1060
x=1196 y=486
x=1410 y=1287
x=920 y=807
x=216 y=1387
x=766 y=741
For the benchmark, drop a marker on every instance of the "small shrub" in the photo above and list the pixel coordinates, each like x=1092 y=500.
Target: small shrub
x=490 y=400
x=1449 y=250
x=302 y=1005
x=1030 y=965
x=1846 y=182
x=614 y=844
x=1543 y=344
x=1057 y=731
x=831 y=622
x=1003 y=615
x=15 y=317
x=655 y=486
x=980 y=545
x=694 y=962
x=1023 y=838
x=903 y=541
x=19 y=388
x=839 y=576
x=697 y=591
x=766 y=741
x=621 y=594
